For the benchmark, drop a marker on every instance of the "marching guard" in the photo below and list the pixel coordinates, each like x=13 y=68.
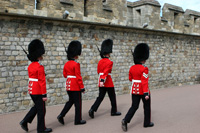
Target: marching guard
x=105 y=82
x=74 y=83
x=138 y=75
x=36 y=87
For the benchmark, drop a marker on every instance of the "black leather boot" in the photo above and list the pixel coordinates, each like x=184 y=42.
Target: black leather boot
x=151 y=124
x=124 y=125
x=91 y=113
x=47 y=130
x=61 y=120
x=80 y=122
x=24 y=125
x=116 y=114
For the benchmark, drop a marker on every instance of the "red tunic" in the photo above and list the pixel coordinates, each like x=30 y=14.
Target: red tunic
x=104 y=69
x=138 y=75
x=72 y=72
x=37 y=81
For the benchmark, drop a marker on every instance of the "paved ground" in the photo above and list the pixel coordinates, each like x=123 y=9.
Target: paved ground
x=174 y=110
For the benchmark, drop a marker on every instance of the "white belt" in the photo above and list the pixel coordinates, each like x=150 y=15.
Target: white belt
x=136 y=81
x=71 y=76
x=103 y=73
x=32 y=79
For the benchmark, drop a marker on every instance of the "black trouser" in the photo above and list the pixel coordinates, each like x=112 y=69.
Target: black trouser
x=102 y=93
x=39 y=109
x=74 y=98
x=135 y=105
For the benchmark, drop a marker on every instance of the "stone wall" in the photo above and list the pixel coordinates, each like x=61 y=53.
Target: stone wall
x=114 y=12
x=173 y=19
x=17 y=6
x=145 y=11
x=174 y=58
x=109 y=12
x=56 y=8
x=47 y=8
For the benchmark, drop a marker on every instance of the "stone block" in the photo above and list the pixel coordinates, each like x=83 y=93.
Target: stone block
x=25 y=102
x=23 y=73
x=23 y=83
x=3 y=96
x=11 y=95
x=40 y=13
x=2 y=80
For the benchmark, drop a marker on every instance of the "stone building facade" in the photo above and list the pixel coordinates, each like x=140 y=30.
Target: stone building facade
x=114 y=12
x=174 y=57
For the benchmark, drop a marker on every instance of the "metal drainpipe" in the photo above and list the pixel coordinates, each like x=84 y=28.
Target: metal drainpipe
x=35 y=4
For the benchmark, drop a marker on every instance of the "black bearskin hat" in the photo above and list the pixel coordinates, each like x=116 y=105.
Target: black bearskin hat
x=74 y=49
x=35 y=50
x=106 y=47
x=141 y=53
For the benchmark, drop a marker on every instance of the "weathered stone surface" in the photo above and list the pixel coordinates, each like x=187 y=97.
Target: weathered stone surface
x=174 y=58
x=142 y=13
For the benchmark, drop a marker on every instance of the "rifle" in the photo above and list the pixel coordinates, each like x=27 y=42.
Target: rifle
x=132 y=51
x=23 y=49
x=65 y=48
x=98 y=48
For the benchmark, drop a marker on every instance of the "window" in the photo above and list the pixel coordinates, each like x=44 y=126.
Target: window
x=195 y=19
x=175 y=15
x=139 y=11
x=85 y=8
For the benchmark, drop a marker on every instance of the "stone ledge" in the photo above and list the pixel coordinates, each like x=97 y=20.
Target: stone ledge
x=19 y=16
x=193 y=13
x=66 y=2
x=175 y=10
x=173 y=7
x=163 y=19
x=144 y=2
x=186 y=24
x=107 y=8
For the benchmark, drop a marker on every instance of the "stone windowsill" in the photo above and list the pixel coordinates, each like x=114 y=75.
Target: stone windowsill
x=66 y=2
x=107 y=8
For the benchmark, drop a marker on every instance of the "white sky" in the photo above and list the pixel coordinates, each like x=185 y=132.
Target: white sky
x=185 y=4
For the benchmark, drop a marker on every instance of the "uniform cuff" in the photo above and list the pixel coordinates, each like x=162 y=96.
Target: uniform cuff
x=44 y=95
x=102 y=80
x=146 y=94
x=83 y=89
